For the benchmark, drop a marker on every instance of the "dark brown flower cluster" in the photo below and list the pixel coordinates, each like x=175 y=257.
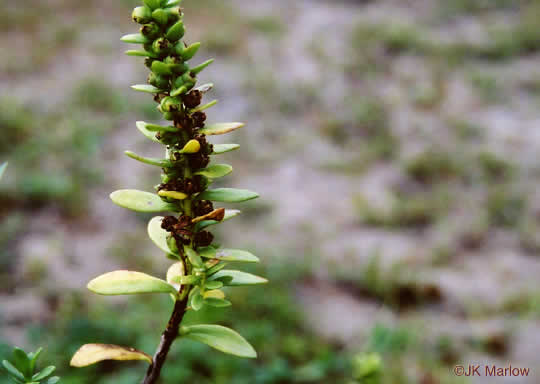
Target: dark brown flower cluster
x=182 y=231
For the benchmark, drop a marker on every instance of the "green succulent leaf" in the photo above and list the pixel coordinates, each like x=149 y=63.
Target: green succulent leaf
x=21 y=362
x=228 y=195
x=224 y=148
x=213 y=285
x=194 y=257
x=140 y=201
x=137 y=53
x=33 y=356
x=221 y=338
x=197 y=301
x=215 y=171
x=162 y=163
x=239 y=278
x=215 y=269
x=141 y=126
x=220 y=128
x=147 y=88
x=90 y=354
x=229 y=214
x=135 y=38
x=14 y=372
x=159 y=236
x=44 y=373
x=152 y=4
x=159 y=128
x=185 y=280
x=3 y=169
x=202 y=66
x=217 y=303
x=128 y=283
x=204 y=107
x=190 y=51
x=53 y=380
x=228 y=255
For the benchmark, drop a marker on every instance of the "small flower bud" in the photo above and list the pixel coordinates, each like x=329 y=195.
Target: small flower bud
x=142 y=15
x=176 y=64
x=164 y=16
x=158 y=81
x=161 y=46
x=176 y=32
x=170 y=104
x=150 y=30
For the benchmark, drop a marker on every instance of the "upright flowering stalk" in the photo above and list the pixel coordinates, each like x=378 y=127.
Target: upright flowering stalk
x=198 y=272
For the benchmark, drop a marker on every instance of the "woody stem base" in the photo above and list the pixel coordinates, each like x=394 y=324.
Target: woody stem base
x=167 y=338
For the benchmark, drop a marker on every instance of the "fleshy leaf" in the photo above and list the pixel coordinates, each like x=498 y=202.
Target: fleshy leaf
x=175 y=272
x=224 y=148
x=159 y=236
x=140 y=201
x=221 y=338
x=21 y=361
x=215 y=171
x=53 y=380
x=204 y=107
x=162 y=163
x=44 y=373
x=133 y=52
x=3 y=169
x=146 y=88
x=228 y=255
x=90 y=354
x=159 y=128
x=128 y=283
x=135 y=38
x=193 y=257
x=229 y=214
x=218 y=303
x=227 y=195
x=239 y=278
x=13 y=371
x=197 y=301
x=173 y=194
x=220 y=128
x=141 y=126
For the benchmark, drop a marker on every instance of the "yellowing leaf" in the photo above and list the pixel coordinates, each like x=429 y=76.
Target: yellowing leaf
x=220 y=128
x=90 y=354
x=173 y=194
x=128 y=283
x=215 y=293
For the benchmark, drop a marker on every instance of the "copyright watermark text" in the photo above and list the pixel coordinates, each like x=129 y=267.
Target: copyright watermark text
x=491 y=371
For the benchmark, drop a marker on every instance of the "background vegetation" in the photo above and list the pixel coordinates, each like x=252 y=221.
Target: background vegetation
x=394 y=145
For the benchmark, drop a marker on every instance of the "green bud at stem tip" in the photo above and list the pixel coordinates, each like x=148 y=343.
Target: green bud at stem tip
x=142 y=15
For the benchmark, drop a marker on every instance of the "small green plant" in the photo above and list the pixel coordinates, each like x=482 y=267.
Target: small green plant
x=198 y=273
x=21 y=369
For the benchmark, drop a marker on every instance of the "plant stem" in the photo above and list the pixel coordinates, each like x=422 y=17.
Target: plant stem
x=167 y=338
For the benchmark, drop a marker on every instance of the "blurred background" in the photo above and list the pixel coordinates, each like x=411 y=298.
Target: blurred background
x=394 y=144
